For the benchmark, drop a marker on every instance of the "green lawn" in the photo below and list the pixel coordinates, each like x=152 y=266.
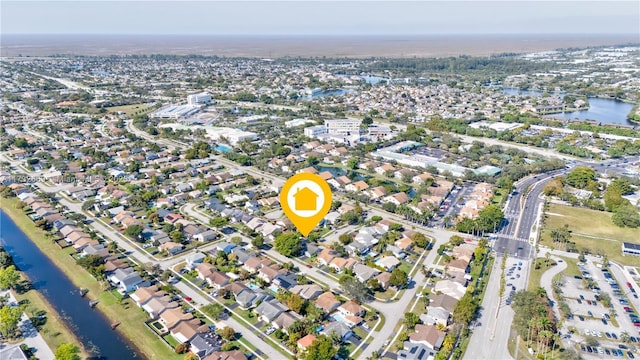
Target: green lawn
x=539 y=268
x=131 y=318
x=129 y=109
x=592 y=230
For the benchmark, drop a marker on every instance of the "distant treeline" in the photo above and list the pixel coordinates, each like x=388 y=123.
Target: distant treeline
x=494 y=65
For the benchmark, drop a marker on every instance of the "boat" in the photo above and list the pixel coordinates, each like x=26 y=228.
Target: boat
x=93 y=303
x=114 y=325
x=83 y=292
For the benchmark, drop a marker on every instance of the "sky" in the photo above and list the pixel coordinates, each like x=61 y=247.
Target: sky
x=319 y=17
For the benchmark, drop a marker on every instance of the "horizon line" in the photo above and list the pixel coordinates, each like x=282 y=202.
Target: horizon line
x=322 y=35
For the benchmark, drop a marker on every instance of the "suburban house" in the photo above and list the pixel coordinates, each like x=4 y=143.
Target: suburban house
x=450 y=287
x=306 y=341
x=307 y=292
x=269 y=310
x=172 y=317
x=187 y=330
x=206 y=235
x=327 y=302
x=388 y=262
x=383 y=279
x=351 y=308
x=285 y=320
x=126 y=279
x=364 y=273
x=340 y=329
x=226 y=355
x=427 y=335
x=413 y=351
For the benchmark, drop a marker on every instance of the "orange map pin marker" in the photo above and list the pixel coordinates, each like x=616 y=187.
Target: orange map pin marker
x=305 y=199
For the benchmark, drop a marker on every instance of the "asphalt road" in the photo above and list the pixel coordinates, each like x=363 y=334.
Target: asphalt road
x=490 y=337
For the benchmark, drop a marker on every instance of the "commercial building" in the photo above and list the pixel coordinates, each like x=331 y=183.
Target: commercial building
x=298 y=122
x=343 y=127
x=174 y=112
x=234 y=136
x=314 y=131
x=630 y=249
x=202 y=98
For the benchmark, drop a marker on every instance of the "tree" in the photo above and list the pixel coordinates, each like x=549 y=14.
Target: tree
x=133 y=230
x=177 y=236
x=553 y=188
x=352 y=163
x=561 y=234
x=218 y=222
x=626 y=216
x=9 y=319
x=398 y=277
x=257 y=241
x=456 y=240
x=465 y=309
x=410 y=320
x=613 y=198
x=228 y=333
x=354 y=288
x=181 y=348
x=390 y=207
x=214 y=310
x=288 y=244
x=345 y=239
x=9 y=277
x=67 y=351
x=420 y=240
x=295 y=302
x=90 y=261
x=489 y=218
x=321 y=349
x=581 y=176
x=191 y=356
x=373 y=284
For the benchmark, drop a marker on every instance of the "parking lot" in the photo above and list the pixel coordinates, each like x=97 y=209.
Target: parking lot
x=597 y=336
x=515 y=277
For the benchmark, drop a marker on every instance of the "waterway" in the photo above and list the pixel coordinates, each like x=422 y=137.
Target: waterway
x=606 y=111
x=334 y=92
x=89 y=325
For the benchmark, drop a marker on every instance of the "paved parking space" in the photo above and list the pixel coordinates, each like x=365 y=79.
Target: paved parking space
x=589 y=313
x=515 y=276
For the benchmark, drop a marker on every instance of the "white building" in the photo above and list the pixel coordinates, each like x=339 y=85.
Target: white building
x=298 y=122
x=234 y=136
x=175 y=112
x=314 y=131
x=343 y=127
x=199 y=99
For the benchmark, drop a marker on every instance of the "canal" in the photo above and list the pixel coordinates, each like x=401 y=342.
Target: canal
x=90 y=326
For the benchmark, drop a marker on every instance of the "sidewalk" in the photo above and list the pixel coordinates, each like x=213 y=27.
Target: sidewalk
x=32 y=337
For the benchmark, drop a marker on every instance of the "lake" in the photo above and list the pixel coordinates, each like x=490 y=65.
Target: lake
x=90 y=326
x=606 y=111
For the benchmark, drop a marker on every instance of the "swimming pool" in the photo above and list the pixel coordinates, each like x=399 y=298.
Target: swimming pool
x=338 y=317
x=223 y=148
x=252 y=286
x=273 y=288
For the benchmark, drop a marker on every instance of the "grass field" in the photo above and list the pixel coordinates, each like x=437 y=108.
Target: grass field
x=536 y=274
x=592 y=230
x=130 y=316
x=130 y=109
